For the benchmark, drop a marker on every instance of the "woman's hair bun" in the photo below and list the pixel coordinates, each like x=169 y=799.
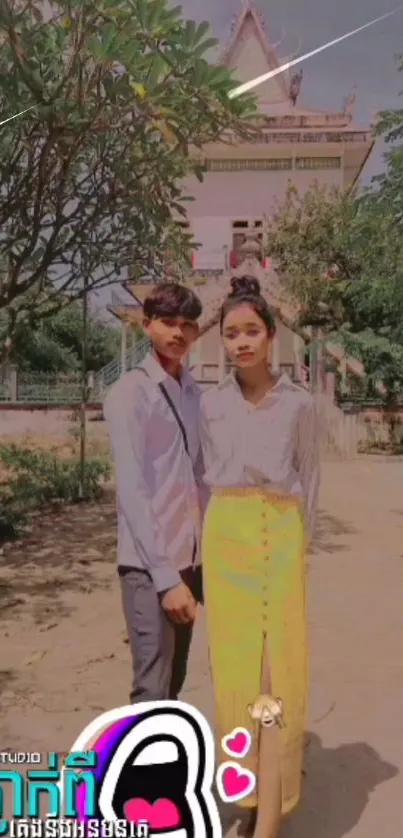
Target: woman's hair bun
x=245 y=285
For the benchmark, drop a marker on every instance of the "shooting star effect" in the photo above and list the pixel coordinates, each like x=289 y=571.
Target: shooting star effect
x=3 y=122
x=250 y=85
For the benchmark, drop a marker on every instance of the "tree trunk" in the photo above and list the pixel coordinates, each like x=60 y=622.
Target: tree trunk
x=84 y=393
x=313 y=360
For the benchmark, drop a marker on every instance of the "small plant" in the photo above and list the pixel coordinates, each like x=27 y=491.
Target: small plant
x=38 y=479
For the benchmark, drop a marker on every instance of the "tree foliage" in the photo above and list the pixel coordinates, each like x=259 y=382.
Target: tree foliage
x=55 y=343
x=340 y=256
x=36 y=480
x=387 y=192
x=121 y=93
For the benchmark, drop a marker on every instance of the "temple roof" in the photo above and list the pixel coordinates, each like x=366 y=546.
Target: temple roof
x=250 y=53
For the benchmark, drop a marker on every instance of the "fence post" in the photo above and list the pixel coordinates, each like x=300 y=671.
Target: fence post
x=351 y=412
x=13 y=382
x=123 y=349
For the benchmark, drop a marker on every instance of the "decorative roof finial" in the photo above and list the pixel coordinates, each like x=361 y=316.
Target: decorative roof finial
x=295 y=87
x=349 y=103
x=262 y=20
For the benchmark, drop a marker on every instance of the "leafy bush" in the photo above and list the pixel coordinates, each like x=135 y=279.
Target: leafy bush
x=40 y=478
x=54 y=344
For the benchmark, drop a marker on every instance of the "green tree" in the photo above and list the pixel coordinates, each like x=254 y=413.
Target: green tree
x=307 y=237
x=387 y=188
x=121 y=96
x=54 y=344
x=339 y=256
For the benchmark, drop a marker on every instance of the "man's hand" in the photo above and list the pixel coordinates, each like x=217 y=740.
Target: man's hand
x=179 y=604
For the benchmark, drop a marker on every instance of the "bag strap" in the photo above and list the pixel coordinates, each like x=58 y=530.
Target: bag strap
x=173 y=409
x=177 y=417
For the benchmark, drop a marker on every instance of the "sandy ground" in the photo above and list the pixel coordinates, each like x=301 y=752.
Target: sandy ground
x=64 y=658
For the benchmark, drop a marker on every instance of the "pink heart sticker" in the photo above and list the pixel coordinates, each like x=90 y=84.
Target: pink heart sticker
x=234 y=783
x=237 y=743
x=163 y=814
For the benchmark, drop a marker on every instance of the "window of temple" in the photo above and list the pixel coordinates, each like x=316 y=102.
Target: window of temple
x=275 y=164
x=243 y=226
x=249 y=165
x=318 y=163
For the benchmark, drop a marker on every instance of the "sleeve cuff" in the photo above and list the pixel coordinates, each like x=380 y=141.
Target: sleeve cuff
x=165 y=578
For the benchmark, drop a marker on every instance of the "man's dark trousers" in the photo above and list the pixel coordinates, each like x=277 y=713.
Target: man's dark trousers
x=160 y=649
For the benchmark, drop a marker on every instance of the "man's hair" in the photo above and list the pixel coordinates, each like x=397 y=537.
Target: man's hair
x=172 y=300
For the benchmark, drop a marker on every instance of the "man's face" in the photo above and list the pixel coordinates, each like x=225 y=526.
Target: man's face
x=171 y=337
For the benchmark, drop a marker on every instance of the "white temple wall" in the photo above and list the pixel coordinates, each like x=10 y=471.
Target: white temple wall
x=225 y=197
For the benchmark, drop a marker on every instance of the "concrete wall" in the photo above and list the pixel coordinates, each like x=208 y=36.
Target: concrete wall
x=286 y=341
x=55 y=426
x=51 y=423
x=232 y=196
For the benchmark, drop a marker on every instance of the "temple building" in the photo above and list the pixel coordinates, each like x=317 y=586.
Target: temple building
x=242 y=181
x=241 y=185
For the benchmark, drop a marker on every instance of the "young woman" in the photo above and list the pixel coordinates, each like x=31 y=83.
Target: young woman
x=260 y=445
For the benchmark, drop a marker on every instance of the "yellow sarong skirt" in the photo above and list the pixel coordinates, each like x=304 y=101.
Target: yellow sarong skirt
x=254 y=584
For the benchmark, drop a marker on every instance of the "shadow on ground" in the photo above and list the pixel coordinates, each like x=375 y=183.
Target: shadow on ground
x=336 y=792
x=330 y=534
x=64 y=552
x=337 y=788
x=68 y=548
x=7 y=676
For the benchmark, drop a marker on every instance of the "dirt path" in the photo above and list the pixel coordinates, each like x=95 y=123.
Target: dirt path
x=64 y=658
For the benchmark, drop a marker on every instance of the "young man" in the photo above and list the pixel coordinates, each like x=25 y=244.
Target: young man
x=152 y=413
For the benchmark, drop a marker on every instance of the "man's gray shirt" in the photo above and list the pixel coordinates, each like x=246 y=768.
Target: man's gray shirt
x=160 y=492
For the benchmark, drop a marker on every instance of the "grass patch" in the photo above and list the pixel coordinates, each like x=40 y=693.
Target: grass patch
x=34 y=476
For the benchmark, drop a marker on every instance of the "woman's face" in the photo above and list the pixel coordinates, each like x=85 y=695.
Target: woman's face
x=245 y=337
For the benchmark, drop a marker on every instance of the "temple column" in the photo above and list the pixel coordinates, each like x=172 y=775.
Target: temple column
x=275 y=354
x=343 y=372
x=123 y=348
x=331 y=386
x=313 y=360
x=194 y=361
x=321 y=356
x=194 y=356
x=222 y=363
x=297 y=352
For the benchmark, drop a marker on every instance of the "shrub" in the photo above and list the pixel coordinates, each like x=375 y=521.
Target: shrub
x=37 y=479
